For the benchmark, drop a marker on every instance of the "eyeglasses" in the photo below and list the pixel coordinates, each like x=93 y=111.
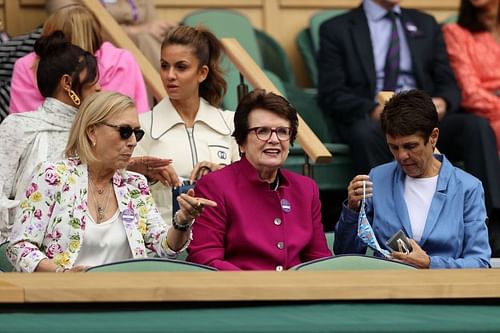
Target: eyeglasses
x=126 y=131
x=264 y=133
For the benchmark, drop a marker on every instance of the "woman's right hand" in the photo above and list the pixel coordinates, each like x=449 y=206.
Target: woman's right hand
x=355 y=191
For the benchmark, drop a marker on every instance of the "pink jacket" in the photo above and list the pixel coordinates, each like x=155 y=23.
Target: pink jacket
x=118 y=71
x=253 y=227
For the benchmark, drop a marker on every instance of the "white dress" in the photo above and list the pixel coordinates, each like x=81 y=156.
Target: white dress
x=26 y=140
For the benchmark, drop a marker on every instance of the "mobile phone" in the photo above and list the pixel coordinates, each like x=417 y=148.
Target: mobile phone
x=399 y=242
x=178 y=190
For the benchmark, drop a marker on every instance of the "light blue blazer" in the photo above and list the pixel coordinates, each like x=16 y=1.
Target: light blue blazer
x=455 y=233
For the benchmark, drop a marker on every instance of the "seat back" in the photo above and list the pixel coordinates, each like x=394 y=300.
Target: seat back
x=228 y=24
x=317 y=20
x=230 y=101
x=5 y=264
x=330 y=239
x=351 y=262
x=450 y=19
x=274 y=57
x=306 y=50
x=150 y=265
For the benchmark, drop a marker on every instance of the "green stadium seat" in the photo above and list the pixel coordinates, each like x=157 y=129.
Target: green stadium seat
x=151 y=265
x=351 y=262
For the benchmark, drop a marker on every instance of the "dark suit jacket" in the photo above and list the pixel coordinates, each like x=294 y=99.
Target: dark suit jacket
x=346 y=66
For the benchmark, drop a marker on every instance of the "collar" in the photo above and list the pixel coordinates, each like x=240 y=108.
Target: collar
x=52 y=115
x=443 y=176
x=251 y=173
x=164 y=117
x=375 y=12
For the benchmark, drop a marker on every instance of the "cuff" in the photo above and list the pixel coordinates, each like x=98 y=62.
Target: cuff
x=173 y=254
x=349 y=215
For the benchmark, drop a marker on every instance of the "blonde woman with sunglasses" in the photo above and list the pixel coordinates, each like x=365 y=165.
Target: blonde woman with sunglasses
x=88 y=210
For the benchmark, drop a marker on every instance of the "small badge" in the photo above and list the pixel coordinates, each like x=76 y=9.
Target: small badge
x=222 y=155
x=128 y=215
x=286 y=206
x=411 y=27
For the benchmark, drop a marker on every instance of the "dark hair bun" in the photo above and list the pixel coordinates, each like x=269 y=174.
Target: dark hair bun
x=52 y=43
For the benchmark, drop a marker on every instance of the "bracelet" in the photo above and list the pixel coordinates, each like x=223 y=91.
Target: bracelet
x=178 y=226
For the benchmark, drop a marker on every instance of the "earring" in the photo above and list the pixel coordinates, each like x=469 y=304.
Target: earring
x=74 y=97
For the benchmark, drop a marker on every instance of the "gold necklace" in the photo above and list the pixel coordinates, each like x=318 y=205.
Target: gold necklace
x=100 y=210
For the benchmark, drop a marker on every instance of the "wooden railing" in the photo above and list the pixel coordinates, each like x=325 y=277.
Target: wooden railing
x=250 y=286
x=313 y=147
x=114 y=33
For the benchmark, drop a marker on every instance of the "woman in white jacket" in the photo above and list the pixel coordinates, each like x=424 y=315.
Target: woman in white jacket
x=187 y=126
x=66 y=75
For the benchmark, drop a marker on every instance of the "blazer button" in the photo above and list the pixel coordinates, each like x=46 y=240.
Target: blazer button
x=277 y=221
x=279 y=268
x=280 y=245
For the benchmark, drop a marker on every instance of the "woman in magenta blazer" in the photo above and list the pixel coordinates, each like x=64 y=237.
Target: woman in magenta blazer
x=266 y=218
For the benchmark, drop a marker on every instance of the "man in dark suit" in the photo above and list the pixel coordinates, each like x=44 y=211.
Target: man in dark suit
x=355 y=50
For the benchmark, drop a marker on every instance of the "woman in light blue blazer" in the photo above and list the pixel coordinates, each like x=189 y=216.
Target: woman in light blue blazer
x=439 y=207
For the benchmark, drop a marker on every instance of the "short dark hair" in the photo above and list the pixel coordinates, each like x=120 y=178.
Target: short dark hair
x=59 y=57
x=468 y=17
x=260 y=99
x=410 y=112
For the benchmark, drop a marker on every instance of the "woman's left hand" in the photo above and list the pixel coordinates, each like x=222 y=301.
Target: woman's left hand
x=417 y=257
x=191 y=207
x=202 y=168
x=154 y=168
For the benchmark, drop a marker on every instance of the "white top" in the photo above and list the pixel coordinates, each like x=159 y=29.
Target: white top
x=167 y=136
x=104 y=242
x=418 y=193
x=26 y=140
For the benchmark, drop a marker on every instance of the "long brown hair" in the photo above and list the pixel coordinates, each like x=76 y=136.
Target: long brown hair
x=208 y=50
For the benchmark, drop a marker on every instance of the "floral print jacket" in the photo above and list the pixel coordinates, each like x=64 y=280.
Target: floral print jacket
x=51 y=218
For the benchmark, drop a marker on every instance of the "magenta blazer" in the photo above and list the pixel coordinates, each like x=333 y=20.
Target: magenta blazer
x=254 y=227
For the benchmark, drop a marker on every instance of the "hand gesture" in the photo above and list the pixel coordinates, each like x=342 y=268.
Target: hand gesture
x=202 y=168
x=191 y=207
x=355 y=191
x=155 y=169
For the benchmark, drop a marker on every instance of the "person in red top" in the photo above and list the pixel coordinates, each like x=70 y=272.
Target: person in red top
x=473 y=45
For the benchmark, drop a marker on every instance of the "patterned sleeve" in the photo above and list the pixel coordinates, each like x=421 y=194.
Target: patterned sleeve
x=32 y=219
x=151 y=225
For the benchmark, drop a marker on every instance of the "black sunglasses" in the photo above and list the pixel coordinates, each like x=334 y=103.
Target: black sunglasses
x=126 y=131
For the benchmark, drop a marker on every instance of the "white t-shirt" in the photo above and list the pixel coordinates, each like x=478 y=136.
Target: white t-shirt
x=104 y=242
x=418 y=194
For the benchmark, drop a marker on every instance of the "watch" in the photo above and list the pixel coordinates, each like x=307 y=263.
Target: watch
x=178 y=226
